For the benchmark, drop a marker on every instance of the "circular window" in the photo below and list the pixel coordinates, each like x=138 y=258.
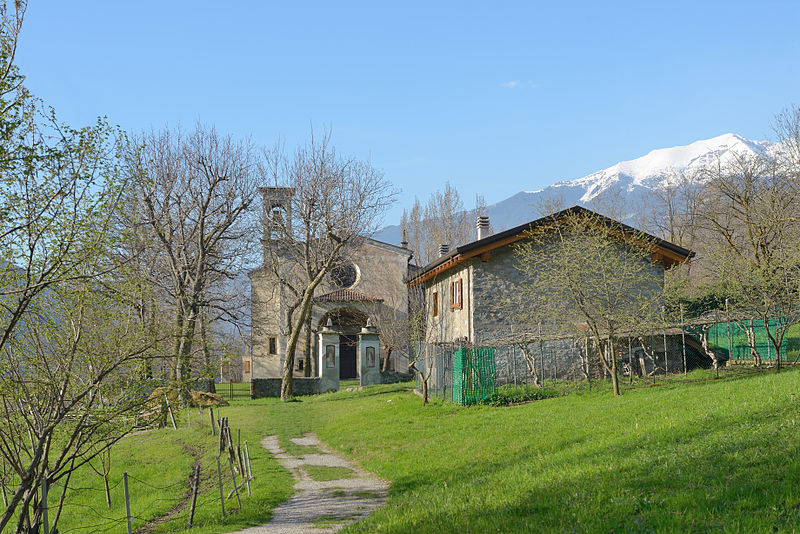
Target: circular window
x=344 y=276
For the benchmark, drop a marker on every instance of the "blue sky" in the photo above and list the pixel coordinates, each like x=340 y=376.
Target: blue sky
x=495 y=97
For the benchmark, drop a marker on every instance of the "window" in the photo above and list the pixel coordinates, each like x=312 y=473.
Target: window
x=370 y=356
x=456 y=295
x=344 y=276
x=435 y=304
x=246 y=369
x=273 y=345
x=330 y=356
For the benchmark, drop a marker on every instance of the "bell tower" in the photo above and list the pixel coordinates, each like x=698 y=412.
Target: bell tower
x=277 y=205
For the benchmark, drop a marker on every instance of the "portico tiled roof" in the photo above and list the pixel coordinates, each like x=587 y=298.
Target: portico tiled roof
x=346 y=295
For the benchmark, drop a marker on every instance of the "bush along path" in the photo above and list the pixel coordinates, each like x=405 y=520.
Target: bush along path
x=330 y=491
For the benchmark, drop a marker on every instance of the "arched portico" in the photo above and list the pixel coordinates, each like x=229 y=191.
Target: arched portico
x=348 y=321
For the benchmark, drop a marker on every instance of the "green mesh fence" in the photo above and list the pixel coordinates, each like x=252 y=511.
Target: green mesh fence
x=729 y=338
x=474 y=375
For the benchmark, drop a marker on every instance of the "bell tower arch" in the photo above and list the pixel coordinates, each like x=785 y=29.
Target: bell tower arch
x=277 y=206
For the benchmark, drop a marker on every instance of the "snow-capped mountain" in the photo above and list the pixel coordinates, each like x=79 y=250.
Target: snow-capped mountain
x=630 y=181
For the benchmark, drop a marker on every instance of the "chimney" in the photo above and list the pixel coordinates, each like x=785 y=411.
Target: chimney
x=443 y=250
x=404 y=242
x=484 y=230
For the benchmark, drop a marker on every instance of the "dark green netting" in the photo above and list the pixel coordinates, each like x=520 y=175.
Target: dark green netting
x=474 y=375
x=732 y=340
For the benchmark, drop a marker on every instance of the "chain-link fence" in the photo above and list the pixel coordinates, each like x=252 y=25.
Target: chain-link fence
x=540 y=360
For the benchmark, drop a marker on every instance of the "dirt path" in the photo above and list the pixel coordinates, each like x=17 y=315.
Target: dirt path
x=318 y=507
x=182 y=503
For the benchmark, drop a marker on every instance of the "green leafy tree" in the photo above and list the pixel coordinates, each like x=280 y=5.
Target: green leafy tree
x=67 y=347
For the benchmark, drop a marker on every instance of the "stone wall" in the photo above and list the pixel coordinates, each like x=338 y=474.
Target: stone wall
x=497 y=301
x=451 y=322
x=392 y=377
x=271 y=387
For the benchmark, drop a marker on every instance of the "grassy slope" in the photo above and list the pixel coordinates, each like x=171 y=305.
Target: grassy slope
x=710 y=456
x=159 y=464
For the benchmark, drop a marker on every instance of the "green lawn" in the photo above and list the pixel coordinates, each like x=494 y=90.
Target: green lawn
x=714 y=455
x=692 y=457
x=159 y=464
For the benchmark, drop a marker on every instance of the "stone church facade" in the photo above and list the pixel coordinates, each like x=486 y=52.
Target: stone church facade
x=367 y=285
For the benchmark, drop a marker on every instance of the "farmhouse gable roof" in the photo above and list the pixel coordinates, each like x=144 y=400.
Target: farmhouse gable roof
x=667 y=253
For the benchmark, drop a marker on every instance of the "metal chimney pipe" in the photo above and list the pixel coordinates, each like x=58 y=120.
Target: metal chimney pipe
x=444 y=249
x=484 y=229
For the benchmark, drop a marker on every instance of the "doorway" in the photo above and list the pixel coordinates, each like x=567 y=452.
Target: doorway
x=348 y=346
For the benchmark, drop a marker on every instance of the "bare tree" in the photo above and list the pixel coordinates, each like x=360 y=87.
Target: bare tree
x=335 y=201
x=751 y=215
x=442 y=220
x=589 y=275
x=69 y=390
x=195 y=194
x=677 y=206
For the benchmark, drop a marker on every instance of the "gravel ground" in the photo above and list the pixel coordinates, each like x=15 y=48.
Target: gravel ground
x=321 y=507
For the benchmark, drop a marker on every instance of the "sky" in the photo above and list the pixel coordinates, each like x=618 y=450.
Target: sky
x=494 y=97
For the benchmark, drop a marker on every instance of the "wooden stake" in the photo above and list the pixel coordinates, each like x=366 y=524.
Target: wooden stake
x=683 y=341
x=245 y=474
x=247 y=456
x=233 y=477
x=195 y=487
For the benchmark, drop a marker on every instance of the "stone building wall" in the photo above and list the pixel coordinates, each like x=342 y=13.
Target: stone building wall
x=266 y=303
x=499 y=305
x=381 y=269
x=451 y=322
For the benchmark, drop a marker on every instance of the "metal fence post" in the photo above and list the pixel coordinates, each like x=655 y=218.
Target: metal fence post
x=221 y=494
x=127 y=501
x=683 y=340
x=44 y=505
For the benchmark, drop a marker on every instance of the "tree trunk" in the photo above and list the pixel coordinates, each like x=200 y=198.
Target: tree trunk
x=775 y=343
x=288 y=363
x=704 y=341
x=210 y=386
x=108 y=490
x=176 y=347
x=309 y=357
x=387 y=361
x=614 y=373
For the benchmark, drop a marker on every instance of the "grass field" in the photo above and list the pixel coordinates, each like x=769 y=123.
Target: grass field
x=708 y=456
x=159 y=464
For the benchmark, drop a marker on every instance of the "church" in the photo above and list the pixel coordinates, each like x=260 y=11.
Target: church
x=367 y=286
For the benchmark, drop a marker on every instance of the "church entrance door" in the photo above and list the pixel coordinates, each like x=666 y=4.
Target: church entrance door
x=348 y=345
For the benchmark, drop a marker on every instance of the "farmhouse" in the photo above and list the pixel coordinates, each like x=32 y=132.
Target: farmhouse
x=465 y=287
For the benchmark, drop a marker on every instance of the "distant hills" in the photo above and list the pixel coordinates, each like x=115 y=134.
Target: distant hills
x=628 y=181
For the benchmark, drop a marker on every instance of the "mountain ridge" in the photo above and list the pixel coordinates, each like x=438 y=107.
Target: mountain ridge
x=631 y=181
